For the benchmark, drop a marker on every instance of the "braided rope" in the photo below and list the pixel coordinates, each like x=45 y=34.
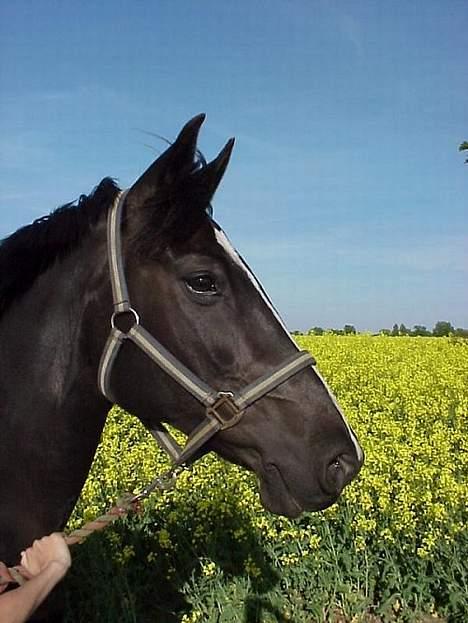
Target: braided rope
x=124 y=506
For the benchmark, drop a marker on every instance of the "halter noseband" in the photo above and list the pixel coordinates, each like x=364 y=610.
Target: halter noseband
x=223 y=409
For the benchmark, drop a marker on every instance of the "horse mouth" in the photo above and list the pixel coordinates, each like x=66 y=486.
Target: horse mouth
x=277 y=497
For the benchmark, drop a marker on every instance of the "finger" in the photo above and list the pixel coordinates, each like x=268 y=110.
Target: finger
x=24 y=572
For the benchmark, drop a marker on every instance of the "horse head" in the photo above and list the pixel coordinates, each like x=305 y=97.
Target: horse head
x=194 y=293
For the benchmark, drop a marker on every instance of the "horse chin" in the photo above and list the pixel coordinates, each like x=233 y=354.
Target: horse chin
x=278 y=503
x=277 y=498
x=275 y=494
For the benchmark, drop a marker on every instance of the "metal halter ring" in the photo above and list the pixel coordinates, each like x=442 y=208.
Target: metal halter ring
x=130 y=310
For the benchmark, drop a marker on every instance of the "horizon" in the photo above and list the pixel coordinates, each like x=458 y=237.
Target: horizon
x=346 y=192
x=408 y=331
x=397 y=325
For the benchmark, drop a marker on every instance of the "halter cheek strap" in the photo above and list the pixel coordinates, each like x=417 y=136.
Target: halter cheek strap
x=223 y=409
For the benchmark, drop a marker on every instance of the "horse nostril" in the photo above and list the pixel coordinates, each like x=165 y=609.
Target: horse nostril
x=340 y=471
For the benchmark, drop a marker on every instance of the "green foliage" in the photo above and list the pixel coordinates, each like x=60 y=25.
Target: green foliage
x=395 y=546
x=420 y=330
x=464 y=147
x=316 y=331
x=442 y=329
x=348 y=329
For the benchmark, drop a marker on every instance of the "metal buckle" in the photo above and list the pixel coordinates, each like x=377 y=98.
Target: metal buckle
x=163 y=482
x=225 y=401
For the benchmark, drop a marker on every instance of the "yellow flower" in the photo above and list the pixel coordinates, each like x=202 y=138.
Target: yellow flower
x=164 y=539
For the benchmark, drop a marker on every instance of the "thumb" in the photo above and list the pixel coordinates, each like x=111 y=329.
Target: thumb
x=24 y=572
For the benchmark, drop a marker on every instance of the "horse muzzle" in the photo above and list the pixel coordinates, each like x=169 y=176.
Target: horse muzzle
x=290 y=495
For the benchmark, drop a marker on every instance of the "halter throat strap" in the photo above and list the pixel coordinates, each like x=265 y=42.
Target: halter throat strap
x=223 y=409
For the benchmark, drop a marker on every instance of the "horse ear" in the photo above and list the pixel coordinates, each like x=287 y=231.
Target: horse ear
x=175 y=163
x=210 y=176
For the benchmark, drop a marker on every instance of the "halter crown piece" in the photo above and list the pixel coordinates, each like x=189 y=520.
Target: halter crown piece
x=223 y=409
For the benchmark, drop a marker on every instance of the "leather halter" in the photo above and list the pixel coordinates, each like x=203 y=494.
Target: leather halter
x=223 y=409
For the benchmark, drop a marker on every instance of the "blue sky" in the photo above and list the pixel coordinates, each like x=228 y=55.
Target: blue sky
x=346 y=192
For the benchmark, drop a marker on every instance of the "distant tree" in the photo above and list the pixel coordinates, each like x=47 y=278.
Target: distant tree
x=349 y=329
x=385 y=332
x=395 y=330
x=316 y=331
x=403 y=330
x=464 y=147
x=420 y=329
x=442 y=328
x=296 y=332
x=459 y=332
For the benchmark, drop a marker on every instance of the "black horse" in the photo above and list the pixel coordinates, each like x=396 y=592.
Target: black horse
x=196 y=295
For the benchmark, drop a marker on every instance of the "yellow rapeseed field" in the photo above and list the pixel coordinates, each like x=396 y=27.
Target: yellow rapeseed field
x=395 y=544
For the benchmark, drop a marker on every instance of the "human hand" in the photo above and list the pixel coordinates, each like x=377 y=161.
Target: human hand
x=50 y=550
x=5 y=577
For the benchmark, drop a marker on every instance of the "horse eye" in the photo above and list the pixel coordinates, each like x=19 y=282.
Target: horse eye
x=202 y=284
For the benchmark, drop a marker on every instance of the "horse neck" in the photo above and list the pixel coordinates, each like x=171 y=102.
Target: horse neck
x=51 y=412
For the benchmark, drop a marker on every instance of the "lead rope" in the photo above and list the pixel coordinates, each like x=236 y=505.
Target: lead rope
x=128 y=503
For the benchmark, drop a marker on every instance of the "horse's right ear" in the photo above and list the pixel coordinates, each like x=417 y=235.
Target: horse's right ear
x=174 y=164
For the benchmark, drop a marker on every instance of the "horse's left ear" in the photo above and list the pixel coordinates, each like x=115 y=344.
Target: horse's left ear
x=210 y=176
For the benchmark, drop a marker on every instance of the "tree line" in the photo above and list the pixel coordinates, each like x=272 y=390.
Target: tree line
x=442 y=328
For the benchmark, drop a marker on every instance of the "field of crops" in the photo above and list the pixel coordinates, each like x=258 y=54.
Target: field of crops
x=395 y=548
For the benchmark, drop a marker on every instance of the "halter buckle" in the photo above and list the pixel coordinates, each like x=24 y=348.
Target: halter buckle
x=225 y=410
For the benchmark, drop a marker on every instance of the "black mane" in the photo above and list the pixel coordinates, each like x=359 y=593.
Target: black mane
x=32 y=249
